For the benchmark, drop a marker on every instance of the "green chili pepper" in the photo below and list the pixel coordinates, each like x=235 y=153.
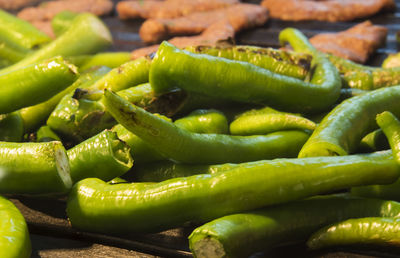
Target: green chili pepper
x=373 y=231
x=241 y=81
x=109 y=59
x=34 y=168
x=11 y=127
x=199 y=121
x=35 y=83
x=341 y=131
x=81 y=115
x=140 y=150
x=14 y=235
x=165 y=169
x=187 y=147
x=97 y=206
x=127 y=75
x=374 y=141
x=278 y=61
x=391 y=61
x=45 y=134
x=103 y=156
x=21 y=32
x=35 y=116
x=11 y=52
x=204 y=121
x=390 y=126
x=243 y=234
x=86 y=35
x=268 y=123
x=62 y=21
x=347 y=93
x=365 y=77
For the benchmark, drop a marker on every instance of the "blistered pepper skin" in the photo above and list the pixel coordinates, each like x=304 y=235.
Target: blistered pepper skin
x=283 y=62
x=14 y=235
x=243 y=234
x=97 y=206
x=244 y=82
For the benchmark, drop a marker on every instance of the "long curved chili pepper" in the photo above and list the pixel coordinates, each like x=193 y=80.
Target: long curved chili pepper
x=243 y=234
x=187 y=147
x=292 y=64
x=244 y=82
x=97 y=206
x=341 y=131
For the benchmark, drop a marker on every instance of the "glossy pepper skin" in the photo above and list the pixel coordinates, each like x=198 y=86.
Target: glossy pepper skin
x=97 y=206
x=187 y=147
x=34 y=168
x=204 y=121
x=243 y=234
x=268 y=123
x=371 y=231
x=390 y=126
x=244 y=82
x=199 y=121
x=341 y=131
x=14 y=235
x=35 y=83
x=86 y=35
x=278 y=61
x=21 y=32
x=102 y=156
x=35 y=116
x=127 y=75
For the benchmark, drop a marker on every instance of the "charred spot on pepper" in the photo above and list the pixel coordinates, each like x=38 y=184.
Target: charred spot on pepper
x=79 y=93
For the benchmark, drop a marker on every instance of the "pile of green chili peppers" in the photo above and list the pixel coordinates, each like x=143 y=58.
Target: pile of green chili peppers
x=245 y=143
